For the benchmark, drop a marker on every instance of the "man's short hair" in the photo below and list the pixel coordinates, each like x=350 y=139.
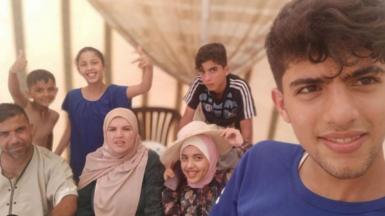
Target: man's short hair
x=39 y=75
x=215 y=52
x=9 y=110
x=315 y=30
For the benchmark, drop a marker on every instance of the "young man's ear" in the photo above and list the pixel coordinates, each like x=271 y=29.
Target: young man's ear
x=279 y=103
x=227 y=70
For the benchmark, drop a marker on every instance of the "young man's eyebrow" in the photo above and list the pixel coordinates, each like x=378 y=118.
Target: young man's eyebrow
x=307 y=81
x=358 y=73
x=364 y=71
x=212 y=68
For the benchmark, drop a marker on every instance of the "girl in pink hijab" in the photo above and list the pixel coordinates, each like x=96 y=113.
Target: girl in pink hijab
x=122 y=177
x=197 y=182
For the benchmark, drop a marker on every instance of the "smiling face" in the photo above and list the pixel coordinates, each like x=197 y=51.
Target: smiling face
x=120 y=136
x=16 y=137
x=90 y=66
x=43 y=93
x=194 y=164
x=339 y=121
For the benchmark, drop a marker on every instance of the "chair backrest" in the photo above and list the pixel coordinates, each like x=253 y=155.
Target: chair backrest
x=157 y=124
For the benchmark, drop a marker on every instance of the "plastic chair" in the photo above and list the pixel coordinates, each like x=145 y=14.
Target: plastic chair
x=158 y=124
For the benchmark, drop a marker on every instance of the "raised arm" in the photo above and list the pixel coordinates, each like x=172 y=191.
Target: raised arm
x=13 y=82
x=145 y=64
x=65 y=139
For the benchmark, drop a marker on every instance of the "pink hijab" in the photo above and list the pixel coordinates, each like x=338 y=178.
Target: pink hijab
x=119 y=176
x=207 y=146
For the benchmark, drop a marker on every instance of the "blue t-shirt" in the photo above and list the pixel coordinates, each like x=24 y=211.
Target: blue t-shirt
x=267 y=183
x=87 y=119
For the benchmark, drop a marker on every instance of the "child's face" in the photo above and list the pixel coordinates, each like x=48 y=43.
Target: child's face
x=213 y=76
x=43 y=93
x=194 y=164
x=90 y=66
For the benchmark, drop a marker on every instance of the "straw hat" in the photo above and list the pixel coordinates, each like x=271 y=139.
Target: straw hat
x=193 y=128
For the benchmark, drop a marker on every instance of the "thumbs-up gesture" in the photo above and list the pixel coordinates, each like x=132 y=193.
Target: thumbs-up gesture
x=20 y=64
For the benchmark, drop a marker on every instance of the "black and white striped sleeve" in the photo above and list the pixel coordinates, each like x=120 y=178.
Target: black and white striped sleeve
x=248 y=108
x=192 y=95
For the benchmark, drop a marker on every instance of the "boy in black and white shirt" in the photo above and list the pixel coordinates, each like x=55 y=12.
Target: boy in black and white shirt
x=225 y=99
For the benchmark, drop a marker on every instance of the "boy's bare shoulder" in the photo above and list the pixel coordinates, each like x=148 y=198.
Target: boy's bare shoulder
x=53 y=115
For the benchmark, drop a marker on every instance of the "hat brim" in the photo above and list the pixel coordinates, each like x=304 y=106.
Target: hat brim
x=171 y=155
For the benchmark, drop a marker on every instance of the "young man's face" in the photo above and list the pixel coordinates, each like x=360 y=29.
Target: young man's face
x=16 y=137
x=43 y=93
x=213 y=76
x=340 y=122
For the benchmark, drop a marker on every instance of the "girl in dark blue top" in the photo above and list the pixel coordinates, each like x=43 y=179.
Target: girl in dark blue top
x=87 y=106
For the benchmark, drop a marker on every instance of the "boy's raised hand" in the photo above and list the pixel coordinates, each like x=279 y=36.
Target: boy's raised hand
x=20 y=64
x=233 y=136
x=143 y=60
x=168 y=173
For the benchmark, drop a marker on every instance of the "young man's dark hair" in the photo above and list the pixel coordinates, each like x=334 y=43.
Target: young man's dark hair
x=38 y=75
x=316 y=30
x=215 y=52
x=9 y=110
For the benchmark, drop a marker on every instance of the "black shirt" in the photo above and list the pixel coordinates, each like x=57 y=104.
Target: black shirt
x=236 y=104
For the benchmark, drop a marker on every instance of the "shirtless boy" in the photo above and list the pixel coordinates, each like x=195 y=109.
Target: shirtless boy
x=39 y=95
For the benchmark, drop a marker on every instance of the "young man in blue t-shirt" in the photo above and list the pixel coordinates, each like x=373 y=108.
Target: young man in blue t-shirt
x=328 y=61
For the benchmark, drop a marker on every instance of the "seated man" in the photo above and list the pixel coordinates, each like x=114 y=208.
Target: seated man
x=33 y=180
x=328 y=61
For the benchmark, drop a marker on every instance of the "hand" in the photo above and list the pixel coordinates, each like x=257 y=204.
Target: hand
x=168 y=173
x=20 y=64
x=143 y=60
x=233 y=136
